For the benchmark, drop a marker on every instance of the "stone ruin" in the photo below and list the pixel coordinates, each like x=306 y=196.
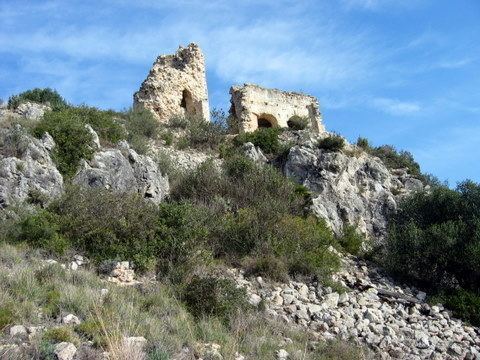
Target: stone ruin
x=254 y=106
x=176 y=85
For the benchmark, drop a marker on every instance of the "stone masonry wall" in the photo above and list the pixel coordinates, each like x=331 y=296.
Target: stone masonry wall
x=176 y=85
x=252 y=104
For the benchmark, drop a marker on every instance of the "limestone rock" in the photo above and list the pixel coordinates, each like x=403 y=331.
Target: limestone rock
x=254 y=106
x=176 y=85
x=27 y=170
x=282 y=354
x=124 y=171
x=95 y=138
x=254 y=153
x=357 y=190
x=18 y=331
x=65 y=351
x=71 y=319
x=31 y=110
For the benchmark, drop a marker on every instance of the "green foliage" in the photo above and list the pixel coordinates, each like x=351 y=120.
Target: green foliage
x=210 y=296
x=42 y=230
x=73 y=141
x=304 y=243
x=106 y=225
x=43 y=96
x=351 y=240
x=141 y=126
x=465 y=304
x=269 y=266
x=332 y=143
x=60 y=334
x=298 y=122
x=439 y=231
x=363 y=143
x=14 y=143
x=7 y=316
x=265 y=138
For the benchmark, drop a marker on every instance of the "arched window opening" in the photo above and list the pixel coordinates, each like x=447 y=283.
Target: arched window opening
x=266 y=121
x=187 y=102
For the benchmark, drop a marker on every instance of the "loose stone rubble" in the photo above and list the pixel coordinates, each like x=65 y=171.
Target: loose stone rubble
x=392 y=321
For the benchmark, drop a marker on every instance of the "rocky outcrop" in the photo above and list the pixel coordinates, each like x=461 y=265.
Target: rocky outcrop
x=27 y=171
x=32 y=111
x=349 y=187
x=393 y=321
x=124 y=170
x=176 y=85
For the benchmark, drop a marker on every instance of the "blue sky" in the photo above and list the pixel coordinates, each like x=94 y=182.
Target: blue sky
x=400 y=72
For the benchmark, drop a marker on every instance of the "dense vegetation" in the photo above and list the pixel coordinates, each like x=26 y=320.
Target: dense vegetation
x=434 y=240
x=45 y=96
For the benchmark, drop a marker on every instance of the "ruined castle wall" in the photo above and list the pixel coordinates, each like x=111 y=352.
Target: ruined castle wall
x=255 y=106
x=176 y=85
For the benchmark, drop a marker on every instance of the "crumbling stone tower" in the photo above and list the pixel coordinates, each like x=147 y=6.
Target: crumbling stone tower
x=254 y=106
x=176 y=85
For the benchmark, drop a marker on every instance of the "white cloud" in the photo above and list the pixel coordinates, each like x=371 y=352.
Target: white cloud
x=396 y=107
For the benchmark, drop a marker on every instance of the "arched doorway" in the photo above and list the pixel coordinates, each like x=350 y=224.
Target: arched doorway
x=187 y=103
x=266 y=121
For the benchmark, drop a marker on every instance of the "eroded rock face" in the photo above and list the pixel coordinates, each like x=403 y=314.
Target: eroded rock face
x=349 y=189
x=26 y=168
x=176 y=85
x=124 y=171
x=31 y=110
x=254 y=106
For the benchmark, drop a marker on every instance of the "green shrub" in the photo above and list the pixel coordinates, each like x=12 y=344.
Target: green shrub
x=298 y=122
x=332 y=143
x=7 y=316
x=438 y=230
x=351 y=240
x=60 y=334
x=108 y=225
x=465 y=305
x=14 y=142
x=42 y=96
x=167 y=137
x=42 y=230
x=304 y=243
x=73 y=141
x=141 y=126
x=265 y=138
x=179 y=122
x=363 y=143
x=269 y=266
x=203 y=134
x=210 y=296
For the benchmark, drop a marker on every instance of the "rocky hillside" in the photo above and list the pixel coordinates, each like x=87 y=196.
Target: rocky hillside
x=123 y=238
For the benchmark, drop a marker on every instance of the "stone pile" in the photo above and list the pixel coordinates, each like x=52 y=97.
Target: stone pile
x=393 y=321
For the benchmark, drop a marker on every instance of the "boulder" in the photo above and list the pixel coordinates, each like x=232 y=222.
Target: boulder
x=124 y=171
x=65 y=351
x=27 y=170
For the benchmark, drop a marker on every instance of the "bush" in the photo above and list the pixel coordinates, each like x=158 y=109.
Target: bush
x=210 y=296
x=438 y=231
x=298 y=122
x=141 y=125
x=42 y=230
x=265 y=138
x=332 y=143
x=60 y=334
x=351 y=240
x=268 y=266
x=73 y=141
x=7 y=316
x=42 y=96
x=363 y=143
x=304 y=243
x=109 y=225
x=465 y=305
x=204 y=134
